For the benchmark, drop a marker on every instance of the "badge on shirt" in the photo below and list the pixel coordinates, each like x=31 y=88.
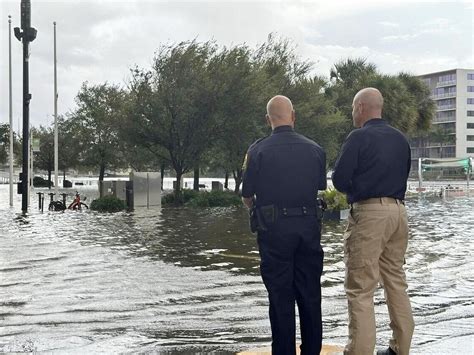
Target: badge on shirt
x=244 y=165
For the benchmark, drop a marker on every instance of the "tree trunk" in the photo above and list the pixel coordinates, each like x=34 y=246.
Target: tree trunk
x=49 y=179
x=196 y=179
x=162 y=172
x=178 y=196
x=238 y=180
x=101 y=179
x=226 y=181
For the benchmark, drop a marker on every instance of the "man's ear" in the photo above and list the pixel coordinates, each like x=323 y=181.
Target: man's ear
x=267 y=118
x=293 y=117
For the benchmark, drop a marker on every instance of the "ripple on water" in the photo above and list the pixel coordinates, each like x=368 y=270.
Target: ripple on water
x=182 y=280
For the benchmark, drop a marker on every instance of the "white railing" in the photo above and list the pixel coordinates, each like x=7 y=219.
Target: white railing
x=446 y=107
x=445 y=83
x=443 y=96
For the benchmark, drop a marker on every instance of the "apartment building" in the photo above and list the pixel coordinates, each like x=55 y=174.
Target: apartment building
x=453 y=92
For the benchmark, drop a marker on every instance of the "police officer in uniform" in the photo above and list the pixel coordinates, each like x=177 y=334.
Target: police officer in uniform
x=282 y=175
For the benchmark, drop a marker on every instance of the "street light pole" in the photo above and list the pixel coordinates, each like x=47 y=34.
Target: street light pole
x=26 y=35
x=10 y=110
x=56 y=164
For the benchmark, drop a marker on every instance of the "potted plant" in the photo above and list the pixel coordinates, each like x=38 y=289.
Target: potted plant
x=337 y=206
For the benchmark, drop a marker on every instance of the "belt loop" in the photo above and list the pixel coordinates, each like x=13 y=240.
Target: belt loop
x=398 y=201
x=381 y=200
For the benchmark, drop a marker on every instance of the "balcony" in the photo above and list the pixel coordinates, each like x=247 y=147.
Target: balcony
x=444 y=120
x=441 y=84
x=446 y=108
x=443 y=96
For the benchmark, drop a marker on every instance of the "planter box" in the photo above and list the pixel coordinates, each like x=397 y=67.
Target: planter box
x=335 y=215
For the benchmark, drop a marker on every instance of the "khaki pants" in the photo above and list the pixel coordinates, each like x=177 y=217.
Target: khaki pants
x=374 y=251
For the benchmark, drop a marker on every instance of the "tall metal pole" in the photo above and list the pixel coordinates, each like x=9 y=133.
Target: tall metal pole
x=30 y=168
x=420 y=174
x=26 y=35
x=10 y=110
x=56 y=164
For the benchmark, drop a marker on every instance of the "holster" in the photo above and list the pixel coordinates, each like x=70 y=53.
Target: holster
x=262 y=218
x=321 y=206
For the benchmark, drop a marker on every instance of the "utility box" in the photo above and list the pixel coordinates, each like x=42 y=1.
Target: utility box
x=142 y=190
x=145 y=189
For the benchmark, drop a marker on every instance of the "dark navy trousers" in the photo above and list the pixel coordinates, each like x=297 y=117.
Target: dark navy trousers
x=291 y=267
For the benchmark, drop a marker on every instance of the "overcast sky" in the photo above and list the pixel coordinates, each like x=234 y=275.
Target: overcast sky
x=99 y=41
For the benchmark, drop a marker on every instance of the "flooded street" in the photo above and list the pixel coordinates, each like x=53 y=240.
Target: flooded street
x=186 y=281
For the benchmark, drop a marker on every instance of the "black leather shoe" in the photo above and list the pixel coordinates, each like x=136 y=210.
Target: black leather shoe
x=388 y=351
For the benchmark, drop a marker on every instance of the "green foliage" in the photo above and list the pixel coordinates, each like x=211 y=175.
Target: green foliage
x=335 y=200
x=179 y=198
x=95 y=125
x=407 y=103
x=44 y=159
x=203 y=199
x=38 y=181
x=108 y=204
x=173 y=104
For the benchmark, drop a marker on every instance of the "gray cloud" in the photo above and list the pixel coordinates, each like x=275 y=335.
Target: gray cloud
x=100 y=40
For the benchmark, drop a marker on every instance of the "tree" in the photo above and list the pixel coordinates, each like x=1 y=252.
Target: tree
x=239 y=112
x=69 y=144
x=4 y=142
x=407 y=104
x=95 y=124
x=425 y=106
x=173 y=105
x=441 y=136
x=44 y=159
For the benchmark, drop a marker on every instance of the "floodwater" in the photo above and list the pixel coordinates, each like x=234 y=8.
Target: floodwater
x=184 y=281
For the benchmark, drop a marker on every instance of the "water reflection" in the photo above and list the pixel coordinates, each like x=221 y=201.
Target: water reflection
x=183 y=281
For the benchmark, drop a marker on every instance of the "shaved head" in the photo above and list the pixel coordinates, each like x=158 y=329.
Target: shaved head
x=367 y=104
x=280 y=111
x=371 y=97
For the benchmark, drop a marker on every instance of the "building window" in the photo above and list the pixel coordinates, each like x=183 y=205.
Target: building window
x=470 y=150
x=449 y=77
x=470 y=113
x=446 y=104
x=470 y=89
x=445 y=91
x=470 y=76
x=470 y=125
x=470 y=101
x=470 y=138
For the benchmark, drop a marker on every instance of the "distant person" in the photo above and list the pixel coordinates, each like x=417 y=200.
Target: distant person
x=372 y=169
x=284 y=172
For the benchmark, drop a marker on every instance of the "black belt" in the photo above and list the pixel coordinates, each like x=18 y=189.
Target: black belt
x=380 y=201
x=297 y=211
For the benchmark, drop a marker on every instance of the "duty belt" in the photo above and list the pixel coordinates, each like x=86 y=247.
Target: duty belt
x=297 y=211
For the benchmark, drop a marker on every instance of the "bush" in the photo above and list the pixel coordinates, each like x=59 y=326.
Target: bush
x=38 y=181
x=108 y=204
x=335 y=200
x=186 y=195
x=204 y=199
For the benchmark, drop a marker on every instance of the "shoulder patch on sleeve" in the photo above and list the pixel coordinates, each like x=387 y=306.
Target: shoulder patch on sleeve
x=246 y=162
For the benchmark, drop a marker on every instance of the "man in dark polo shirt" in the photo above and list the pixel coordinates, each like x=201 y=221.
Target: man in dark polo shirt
x=372 y=169
x=284 y=172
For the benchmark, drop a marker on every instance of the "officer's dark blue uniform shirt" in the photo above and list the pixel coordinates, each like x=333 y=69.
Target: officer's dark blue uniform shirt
x=285 y=169
x=374 y=161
